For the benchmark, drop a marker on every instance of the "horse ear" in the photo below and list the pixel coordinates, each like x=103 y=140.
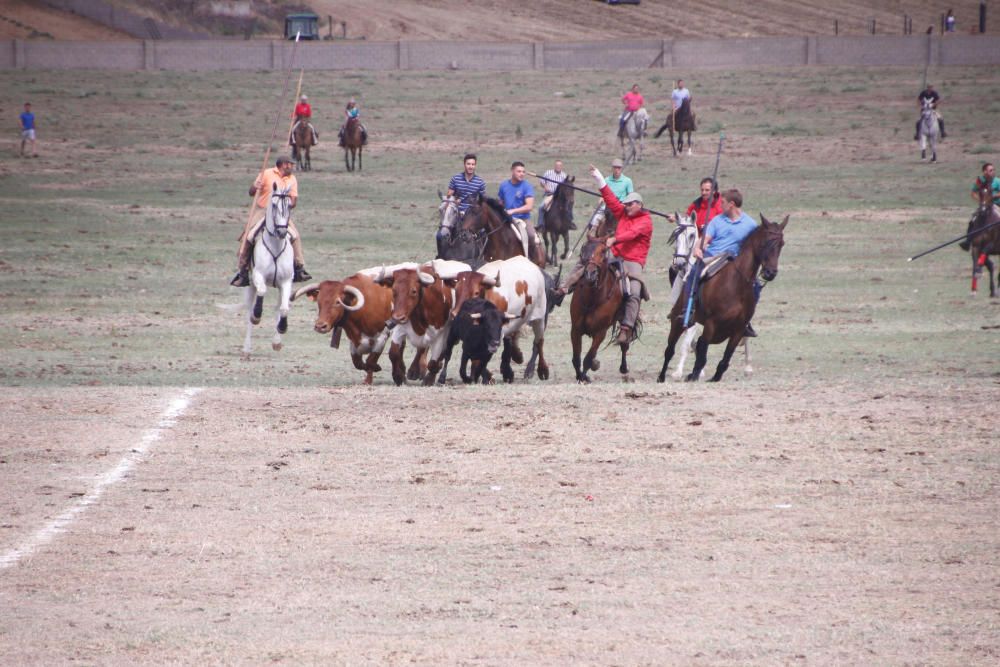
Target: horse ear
x=764 y=219
x=784 y=222
x=274 y=187
x=440 y=196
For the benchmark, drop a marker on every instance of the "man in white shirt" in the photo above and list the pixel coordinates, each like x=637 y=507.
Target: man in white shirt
x=549 y=181
x=679 y=94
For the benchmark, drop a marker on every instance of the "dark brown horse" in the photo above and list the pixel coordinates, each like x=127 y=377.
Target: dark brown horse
x=353 y=143
x=557 y=220
x=680 y=121
x=597 y=302
x=726 y=302
x=303 y=143
x=488 y=222
x=985 y=243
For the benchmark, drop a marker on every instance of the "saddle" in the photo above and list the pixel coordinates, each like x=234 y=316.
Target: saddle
x=715 y=264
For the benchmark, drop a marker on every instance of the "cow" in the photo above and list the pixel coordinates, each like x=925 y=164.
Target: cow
x=516 y=286
x=421 y=305
x=359 y=307
x=479 y=327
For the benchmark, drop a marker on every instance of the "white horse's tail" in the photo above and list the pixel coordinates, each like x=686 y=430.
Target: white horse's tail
x=235 y=308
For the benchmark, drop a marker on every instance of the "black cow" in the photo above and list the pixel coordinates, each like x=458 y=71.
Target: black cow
x=478 y=325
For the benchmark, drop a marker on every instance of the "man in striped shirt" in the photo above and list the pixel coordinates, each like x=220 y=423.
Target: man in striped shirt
x=467 y=187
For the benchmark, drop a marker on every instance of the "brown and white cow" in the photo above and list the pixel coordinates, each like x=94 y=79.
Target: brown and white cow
x=358 y=306
x=421 y=315
x=516 y=286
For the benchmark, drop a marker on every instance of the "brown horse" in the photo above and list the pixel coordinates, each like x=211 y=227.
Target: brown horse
x=489 y=223
x=557 y=220
x=597 y=302
x=303 y=143
x=727 y=301
x=983 y=244
x=353 y=143
x=680 y=121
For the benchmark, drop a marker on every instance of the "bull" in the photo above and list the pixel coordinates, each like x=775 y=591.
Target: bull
x=479 y=327
x=516 y=286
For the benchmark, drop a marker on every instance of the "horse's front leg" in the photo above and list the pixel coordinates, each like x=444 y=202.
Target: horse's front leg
x=686 y=345
x=285 y=292
x=724 y=363
x=673 y=145
x=700 y=357
x=259 y=289
x=989 y=268
x=565 y=237
x=576 y=340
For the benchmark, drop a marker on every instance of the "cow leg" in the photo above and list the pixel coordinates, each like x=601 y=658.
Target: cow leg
x=358 y=361
x=418 y=366
x=505 y=370
x=700 y=357
x=538 y=348
x=515 y=350
x=462 y=372
x=398 y=366
x=724 y=364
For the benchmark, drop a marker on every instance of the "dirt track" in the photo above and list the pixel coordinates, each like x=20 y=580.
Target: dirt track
x=319 y=527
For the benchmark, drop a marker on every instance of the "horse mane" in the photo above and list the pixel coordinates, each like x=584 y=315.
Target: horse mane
x=498 y=208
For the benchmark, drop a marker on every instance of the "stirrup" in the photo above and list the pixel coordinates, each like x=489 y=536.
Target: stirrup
x=748 y=331
x=241 y=279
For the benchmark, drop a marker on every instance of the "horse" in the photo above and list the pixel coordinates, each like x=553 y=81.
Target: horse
x=353 y=143
x=303 y=143
x=557 y=220
x=272 y=264
x=928 y=130
x=726 y=302
x=488 y=223
x=682 y=120
x=634 y=131
x=597 y=303
x=983 y=244
x=452 y=242
x=684 y=237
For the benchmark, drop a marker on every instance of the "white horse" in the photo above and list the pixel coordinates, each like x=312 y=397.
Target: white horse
x=272 y=265
x=635 y=133
x=929 y=131
x=684 y=238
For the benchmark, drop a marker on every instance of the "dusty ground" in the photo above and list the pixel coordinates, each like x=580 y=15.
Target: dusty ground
x=802 y=524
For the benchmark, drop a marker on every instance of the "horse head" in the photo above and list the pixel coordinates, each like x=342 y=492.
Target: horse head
x=598 y=260
x=448 y=211
x=278 y=212
x=565 y=193
x=684 y=236
x=769 y=248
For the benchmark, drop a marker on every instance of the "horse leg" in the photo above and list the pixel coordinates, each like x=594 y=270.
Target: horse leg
x=361 y=150
x=505 y=370
x=284 y=292
x=700 y=357
x=673 y=146
x=989 y=268
x=686 y=345
x=747 y=368
x=576 y=340
x=690 y=152
x=565 y=237
x=623 y=367
x=591 y=362
x=727 y=355
x=668 y=352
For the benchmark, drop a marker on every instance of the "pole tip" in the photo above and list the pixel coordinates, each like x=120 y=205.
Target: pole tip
x=909 y=259
x=297 y=35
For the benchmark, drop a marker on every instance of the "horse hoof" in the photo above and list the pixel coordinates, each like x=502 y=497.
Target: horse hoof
x=283 y=325
x=595 y=365
x=661 y=378
x=254 y=320
x=543 y=373
x=276 y=347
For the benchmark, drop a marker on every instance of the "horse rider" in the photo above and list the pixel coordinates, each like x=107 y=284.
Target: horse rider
x=987 y=179
x=518 y=198
x=467 y=187
x=282 y=176
x=352 y=111
x=303 y=114
x=679 y=94
x=929 y=95
x=621 y=186
x=725 y=233
x=549 y=181
x=633 y=101
x=630 y=243
x=701 y=208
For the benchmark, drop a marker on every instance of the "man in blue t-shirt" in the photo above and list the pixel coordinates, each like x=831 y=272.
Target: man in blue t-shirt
x=726 y=232
x=518 y=199
x=28 y=129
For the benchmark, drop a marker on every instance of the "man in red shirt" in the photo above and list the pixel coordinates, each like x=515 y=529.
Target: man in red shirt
x=705 y=212
x=631 y=243
x=303 y=114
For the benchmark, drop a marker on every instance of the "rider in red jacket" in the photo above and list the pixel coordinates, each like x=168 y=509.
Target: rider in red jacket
x=699 y=205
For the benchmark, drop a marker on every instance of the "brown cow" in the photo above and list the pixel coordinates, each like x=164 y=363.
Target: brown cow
x=422 y=303
x=359 y=307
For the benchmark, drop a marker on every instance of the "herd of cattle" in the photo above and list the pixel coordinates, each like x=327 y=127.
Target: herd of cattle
x=434 y=306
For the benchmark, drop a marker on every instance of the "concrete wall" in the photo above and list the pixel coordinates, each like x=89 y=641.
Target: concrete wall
x=220 y=54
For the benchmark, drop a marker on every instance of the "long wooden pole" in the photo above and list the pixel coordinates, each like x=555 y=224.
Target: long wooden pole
x=274 y=128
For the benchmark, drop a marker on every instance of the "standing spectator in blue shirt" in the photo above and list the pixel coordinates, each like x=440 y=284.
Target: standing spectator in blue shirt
x=28 y=129
x=518 y=199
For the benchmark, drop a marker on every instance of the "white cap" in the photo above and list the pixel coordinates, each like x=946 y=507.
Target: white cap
x=631 y=197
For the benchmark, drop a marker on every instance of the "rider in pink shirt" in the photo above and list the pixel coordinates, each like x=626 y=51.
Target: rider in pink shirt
x=633 y=101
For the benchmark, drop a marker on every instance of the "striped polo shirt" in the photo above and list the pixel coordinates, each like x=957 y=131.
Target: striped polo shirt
x=467 y=191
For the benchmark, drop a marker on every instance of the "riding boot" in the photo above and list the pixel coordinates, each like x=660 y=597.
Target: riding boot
x=748 y=331
x=301 y=275
x=242 y=277
x=624 y=335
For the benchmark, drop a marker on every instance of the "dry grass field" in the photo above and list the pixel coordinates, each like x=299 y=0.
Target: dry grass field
x=166 y=502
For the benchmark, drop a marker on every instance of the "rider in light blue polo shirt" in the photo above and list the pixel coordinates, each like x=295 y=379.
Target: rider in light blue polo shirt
x=726 y=232
x=518 y=199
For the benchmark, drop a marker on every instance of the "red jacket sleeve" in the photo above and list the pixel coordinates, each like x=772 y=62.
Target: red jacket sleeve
x=612 y=202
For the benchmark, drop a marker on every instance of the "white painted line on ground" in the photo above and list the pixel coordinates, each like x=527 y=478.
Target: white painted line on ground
x=113 y=476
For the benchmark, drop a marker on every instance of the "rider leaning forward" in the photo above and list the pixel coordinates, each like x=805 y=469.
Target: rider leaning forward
x=282 y=176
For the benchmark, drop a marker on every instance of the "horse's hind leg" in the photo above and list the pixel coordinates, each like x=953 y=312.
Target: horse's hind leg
x=747 y=368
x=565 y=237
x=686 y=344
x=248 y=298
x=668 y=352
x=724 y=364
x=989 y=268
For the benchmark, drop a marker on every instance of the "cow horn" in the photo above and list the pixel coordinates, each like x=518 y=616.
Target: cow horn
x=381 y=276
x=489 y=282
x=425 y=278
x=304 y=290
x=475 y=316
x=357 y=295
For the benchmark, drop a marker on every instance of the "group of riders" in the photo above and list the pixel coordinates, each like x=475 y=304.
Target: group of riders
x=303 y=114
x=633 y=101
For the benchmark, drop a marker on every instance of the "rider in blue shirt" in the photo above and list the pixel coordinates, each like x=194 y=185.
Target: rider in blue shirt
x=28 y=129
x=518 y=199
